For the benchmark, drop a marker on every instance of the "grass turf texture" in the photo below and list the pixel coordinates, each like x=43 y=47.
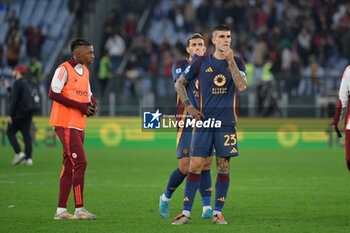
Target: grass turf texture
x=271 y=191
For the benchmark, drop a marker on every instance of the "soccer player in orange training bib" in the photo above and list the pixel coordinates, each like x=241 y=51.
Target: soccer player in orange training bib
x=72 y=102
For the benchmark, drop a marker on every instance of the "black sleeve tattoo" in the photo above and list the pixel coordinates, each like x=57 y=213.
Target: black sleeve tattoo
x=180 y=87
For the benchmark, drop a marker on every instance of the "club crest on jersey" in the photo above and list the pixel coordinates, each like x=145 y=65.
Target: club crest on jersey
x=219 y=80
x=178 y=71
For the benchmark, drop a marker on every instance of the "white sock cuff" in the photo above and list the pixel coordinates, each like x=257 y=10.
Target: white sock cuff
x=60 y=210
x=164 y=198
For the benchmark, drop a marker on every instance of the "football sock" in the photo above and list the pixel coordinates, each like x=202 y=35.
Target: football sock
x=192 y=184
x=60 y=210
x=175 y=179
x=221 y=188
x=205 y=187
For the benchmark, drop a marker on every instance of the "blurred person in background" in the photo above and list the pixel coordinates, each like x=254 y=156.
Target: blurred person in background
x=20 y=119
x=13 y=48
x=105 y=72
x=35 y=72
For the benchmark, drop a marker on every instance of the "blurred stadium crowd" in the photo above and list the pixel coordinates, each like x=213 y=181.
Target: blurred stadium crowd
x=302 y=46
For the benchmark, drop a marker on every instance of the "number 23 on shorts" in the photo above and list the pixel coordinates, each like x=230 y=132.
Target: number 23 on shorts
x=230 y=140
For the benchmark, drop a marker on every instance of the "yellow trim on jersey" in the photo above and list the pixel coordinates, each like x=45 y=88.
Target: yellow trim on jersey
x=234 y=106
x=181 y=128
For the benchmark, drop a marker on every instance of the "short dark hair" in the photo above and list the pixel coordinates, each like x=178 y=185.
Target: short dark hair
x=78 y=42
x=220 y=27
x=194 y=36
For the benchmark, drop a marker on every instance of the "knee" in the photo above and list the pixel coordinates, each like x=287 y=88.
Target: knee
x=208 y=162
x=80 y=166
x=184 y=169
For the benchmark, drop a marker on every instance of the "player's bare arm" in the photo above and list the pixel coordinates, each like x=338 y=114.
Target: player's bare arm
x=180 y=87
x=239 y=80
x=223 y=165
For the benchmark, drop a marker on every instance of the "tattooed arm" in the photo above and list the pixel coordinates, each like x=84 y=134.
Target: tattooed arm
x=239 y=79
x=180 y=87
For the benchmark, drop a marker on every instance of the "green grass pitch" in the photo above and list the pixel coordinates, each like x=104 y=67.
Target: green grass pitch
x=271 y=190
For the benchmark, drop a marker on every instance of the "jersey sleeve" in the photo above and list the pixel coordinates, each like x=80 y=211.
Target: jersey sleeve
x=191 y=72
x=176 y=71
x=344 y=88
x=241 y=66
x=59 y=79
x=343 y=96
x=90 y=93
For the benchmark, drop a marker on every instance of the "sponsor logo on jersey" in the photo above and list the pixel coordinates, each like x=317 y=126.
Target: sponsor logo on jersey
x=209 y=70
x=186 y=199
x=81 y=93
x=219 y=80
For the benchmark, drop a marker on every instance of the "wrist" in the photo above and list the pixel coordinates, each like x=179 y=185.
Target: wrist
x=187 y=103
x=82 y=107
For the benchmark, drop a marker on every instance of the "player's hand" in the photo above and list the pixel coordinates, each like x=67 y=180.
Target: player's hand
x=199 y=52
x=5 y=84
x=228 y=53
x=336 y=129
x=194 y=113
x=91 y=110
x=9 y=119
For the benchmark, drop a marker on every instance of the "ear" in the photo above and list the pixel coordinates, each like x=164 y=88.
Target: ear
x=205 y=49
x=188 y=50
x=213 y=40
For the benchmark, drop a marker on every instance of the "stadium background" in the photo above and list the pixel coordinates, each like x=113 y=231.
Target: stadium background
x=291 y=175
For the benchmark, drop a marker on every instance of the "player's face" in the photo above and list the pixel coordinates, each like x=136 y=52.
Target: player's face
x=196 y=46
x=221 y=39
x=85 y=54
